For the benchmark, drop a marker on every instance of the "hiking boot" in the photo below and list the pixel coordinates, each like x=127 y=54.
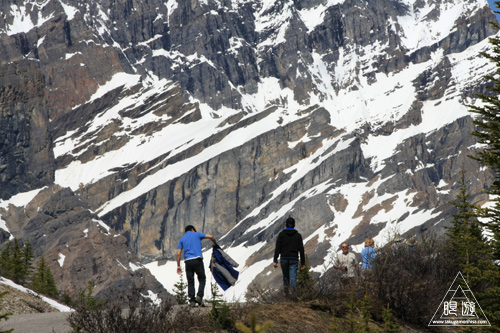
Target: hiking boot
x=192 y=303
x=199 y=301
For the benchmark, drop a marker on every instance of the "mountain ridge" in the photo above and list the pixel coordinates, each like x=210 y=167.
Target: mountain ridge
x=231 y=115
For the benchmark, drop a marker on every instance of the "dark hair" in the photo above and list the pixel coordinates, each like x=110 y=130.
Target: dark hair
x=290 y=222
x=189 y=228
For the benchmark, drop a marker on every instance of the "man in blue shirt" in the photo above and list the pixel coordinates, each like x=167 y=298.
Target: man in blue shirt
x=193 y=260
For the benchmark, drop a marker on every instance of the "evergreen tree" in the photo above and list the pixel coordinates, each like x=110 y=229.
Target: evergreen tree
x=389 y=325
x=43 y=280
x=220 y=315
x=467 y=245
x=28 y=256
x=16 y=261
x=365 y=309
x=488 y=133
x=17 y=267
x=305 y=281
x=180 y=291
x=86 y=301
x=5 y=262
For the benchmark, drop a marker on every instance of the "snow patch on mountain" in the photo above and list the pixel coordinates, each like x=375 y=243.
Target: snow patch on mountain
x=312 y=17
x=23 y=17
x=69 y=10
x=418 y=22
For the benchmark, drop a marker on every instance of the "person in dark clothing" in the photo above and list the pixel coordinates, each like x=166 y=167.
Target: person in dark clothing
x=193 y=260
x=288 y=247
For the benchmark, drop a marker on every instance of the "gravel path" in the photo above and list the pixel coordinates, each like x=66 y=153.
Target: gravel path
x=49 y=322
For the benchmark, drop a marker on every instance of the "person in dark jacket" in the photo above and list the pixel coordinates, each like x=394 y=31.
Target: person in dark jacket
x=288 y=247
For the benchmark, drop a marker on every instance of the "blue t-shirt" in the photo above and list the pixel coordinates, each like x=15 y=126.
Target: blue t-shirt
x=367 y=256
x=191 y=244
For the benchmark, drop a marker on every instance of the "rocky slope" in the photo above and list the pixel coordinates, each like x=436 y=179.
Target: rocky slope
x=231 y=115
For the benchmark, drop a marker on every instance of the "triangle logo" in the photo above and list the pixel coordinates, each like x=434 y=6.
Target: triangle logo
x=459 y=307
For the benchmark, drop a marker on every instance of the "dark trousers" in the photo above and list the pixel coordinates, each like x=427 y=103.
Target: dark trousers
x=289 y=267
x=195 y=266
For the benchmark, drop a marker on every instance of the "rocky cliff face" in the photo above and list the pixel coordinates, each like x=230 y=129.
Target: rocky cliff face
x=79 y=247
x=232 y=115
x=26 y=157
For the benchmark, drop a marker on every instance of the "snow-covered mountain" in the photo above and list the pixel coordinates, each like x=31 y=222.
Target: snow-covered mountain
x=232 y=115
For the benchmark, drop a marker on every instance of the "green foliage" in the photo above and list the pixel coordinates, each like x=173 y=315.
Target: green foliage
x=16 y=261
x=180 y=291
x=43 y=280
x=66 y=299
x=467 y=245
x=254 y=327
x=350 y=323
x=365 y=312
x=305 y=281
x=389 y=325
x=5 y=261
x=18 y=271
x=359 y=317
x=5 y=316
x=488 y=133
x=220 y=314
x=86 y=301
x=27 y=255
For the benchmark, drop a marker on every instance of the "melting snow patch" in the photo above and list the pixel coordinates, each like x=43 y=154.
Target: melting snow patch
x=153 y=297
x=21 y=199
x=121 y=265
x=134 y=267
x=102 y=224
x=69 y=10
x=22 y=19
x=71 y=55
x=61 y=259
x=3 y=226
x=118 y=80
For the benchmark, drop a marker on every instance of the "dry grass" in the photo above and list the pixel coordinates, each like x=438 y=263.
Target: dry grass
x=19 y=302
x=290 y=317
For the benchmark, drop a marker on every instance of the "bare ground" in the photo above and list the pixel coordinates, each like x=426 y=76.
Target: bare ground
x=30 y=313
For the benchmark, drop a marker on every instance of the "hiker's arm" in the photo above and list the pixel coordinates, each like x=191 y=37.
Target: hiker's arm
x=212 y=238
x=277 y=251
x=302 y=254
x=179 y=269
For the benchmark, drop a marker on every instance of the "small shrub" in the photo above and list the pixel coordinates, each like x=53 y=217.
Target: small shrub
x=389 y=325
x=180 y=291
x=412 y=282
x=254 y=327
x=139 y=316
x=43 y=281
x=220 y=314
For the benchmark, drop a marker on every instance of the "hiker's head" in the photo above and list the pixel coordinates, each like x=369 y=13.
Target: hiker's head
x=189 y=228
x=345 y=247
x=290 y=222
x=369 y=242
